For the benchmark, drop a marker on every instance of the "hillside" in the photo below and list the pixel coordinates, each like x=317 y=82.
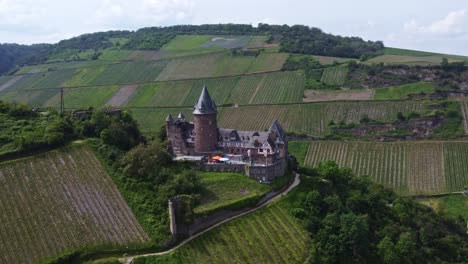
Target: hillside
x=273 y=236
x=60 y=201
x=398 y=116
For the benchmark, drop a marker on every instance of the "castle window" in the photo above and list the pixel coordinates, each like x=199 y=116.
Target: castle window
x=210 y=122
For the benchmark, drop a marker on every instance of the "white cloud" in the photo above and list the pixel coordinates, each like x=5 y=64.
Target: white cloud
x=450 y=24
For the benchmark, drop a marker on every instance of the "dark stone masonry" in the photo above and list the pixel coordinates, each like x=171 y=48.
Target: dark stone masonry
x=259 y=154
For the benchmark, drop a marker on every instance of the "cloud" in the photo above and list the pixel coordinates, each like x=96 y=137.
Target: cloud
x=449 y=25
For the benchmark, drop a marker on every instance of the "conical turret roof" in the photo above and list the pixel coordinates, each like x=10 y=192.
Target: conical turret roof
x=169 y=118
x=181 y=116
x=205 y=104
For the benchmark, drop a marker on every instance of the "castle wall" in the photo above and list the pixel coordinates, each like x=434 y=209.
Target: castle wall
x=206 y=133
x=267 y=173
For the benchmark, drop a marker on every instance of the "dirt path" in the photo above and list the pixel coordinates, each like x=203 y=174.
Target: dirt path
x=297 y=180
x=256 y=89
x=10 y=82
x=122 y=95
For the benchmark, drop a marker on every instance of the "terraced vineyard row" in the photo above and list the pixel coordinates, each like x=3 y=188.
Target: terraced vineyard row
x=408 y=168
x=334 y=75
x=312 y=119
x=263 y=88
x=270 y=235
x=59 y=201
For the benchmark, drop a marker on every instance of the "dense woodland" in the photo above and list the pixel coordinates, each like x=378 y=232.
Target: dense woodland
x=12 y=55
x=293 y=39
x=353 y=220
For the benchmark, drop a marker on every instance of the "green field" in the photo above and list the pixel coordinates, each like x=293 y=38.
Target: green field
x=186 y=42
x=313 y=118
x=282 y=87
x=270 y=235
x=222 y=189
x=86 y=97
x=417 y=53
x=326 y=60
x=402 y=91
x=115 y=55
x=151 y=120
x=36 y=98
x=202 y=66
x=407 y=167
x=182 y=93
x=334 y=76
x=257 y=42
x=59 y=201
x=454 y=205
x=413 y=57
x=60 y=66
x=268 y=62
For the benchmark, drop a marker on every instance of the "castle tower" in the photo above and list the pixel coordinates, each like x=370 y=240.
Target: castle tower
x=205 y=126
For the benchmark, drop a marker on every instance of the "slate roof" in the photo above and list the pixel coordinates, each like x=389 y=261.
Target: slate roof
x=205 y=104
x=278 y=129
x=181 y=116
x=169 y=118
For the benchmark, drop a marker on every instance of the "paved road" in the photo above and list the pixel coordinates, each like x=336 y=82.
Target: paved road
x=296 y=182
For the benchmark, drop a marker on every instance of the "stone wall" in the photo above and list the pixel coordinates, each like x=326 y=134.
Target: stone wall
x=224 y=167
x=206 y=133
x=266 y=173
x=257 y=172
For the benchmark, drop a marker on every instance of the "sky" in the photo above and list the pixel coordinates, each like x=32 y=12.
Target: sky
x=429 y=25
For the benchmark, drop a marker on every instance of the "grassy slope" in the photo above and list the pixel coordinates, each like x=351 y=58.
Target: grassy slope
x=413 y=57
x=58 y=201
x=402 y=91
x=299 y=149
x=268 y=62
x=455 y=205
x=226 y=188
x=270 y=235
x=186 y=42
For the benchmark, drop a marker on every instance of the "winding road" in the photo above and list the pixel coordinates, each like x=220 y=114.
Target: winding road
x=297 y=180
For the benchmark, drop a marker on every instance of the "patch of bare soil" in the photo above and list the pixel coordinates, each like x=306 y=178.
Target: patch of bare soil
x=147 y=55
x=122 y=95
x=321 y=96
x=10 y=82
x=244 y=192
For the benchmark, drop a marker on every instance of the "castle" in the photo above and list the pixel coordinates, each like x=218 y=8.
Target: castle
x=259 y=154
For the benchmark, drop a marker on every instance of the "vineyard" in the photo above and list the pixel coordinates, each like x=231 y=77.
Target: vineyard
x=58 y=201
x=334 y=75
x=313 y=118
x=270 y=235
x=182 y=93
x=269 y=62
x=250 y=89
x=408 y=168
x=151 y=120
x=464 y=111
x=202 y=66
